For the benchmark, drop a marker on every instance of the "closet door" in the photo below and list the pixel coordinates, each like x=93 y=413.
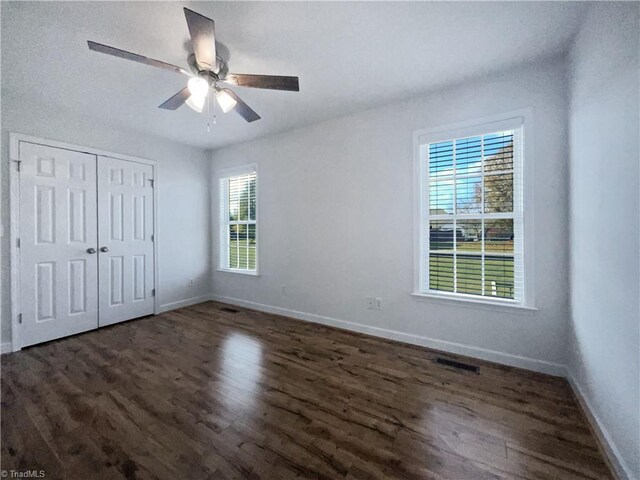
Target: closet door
x=125 y=229
x=58 y=243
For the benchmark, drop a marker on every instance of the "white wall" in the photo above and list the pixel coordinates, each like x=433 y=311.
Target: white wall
x=183 y=194
x=336 y=206
x=604 y=214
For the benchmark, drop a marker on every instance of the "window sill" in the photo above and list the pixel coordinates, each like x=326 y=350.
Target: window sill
x=240 y=272
x=475 y=303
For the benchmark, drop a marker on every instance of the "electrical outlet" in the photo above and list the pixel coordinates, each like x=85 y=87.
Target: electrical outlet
x=373 y=303
x=377 y=303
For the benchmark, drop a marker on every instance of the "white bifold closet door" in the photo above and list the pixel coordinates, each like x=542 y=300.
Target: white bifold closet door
x=58 y=242
x=86 y=242
x=125 y=227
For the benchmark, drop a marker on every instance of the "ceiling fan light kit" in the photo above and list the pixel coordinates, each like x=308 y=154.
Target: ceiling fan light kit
x=226 y=101
x=198 y=87
x=196 y=103
x=207 y=71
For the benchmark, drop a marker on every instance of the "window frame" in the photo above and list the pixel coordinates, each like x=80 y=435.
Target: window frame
x=421 y=140
x=224 y=222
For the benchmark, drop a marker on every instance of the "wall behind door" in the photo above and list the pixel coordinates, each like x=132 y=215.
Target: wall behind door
x=183 y=196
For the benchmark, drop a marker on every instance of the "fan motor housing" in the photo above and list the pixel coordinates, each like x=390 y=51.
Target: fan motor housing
x=223 y=68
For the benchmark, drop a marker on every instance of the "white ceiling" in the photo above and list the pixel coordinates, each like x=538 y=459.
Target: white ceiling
x=349 y=56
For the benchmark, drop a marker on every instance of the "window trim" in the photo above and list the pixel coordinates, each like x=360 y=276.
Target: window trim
x=460 y=130
x=223 y=211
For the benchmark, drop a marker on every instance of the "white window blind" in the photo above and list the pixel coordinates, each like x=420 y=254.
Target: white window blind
x=472 y=240
x=238 y=232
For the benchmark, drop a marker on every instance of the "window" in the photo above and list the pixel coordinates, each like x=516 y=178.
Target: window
x=471 y=204
x=238 y=228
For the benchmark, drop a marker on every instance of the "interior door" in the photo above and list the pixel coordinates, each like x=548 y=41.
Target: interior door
x=58 y=243
x=125 y=232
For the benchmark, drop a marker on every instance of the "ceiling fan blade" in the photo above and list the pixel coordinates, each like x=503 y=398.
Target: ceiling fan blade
x=244 y=110
x=116 y=52
x=272 y=82
x=177 y=100
x=203 y=38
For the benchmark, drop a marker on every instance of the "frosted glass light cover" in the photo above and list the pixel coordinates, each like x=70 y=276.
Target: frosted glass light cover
x=226 y=101
x=196 y=103
x=198 y=87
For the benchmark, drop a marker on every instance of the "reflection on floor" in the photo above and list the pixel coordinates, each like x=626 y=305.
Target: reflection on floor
x=200 y=393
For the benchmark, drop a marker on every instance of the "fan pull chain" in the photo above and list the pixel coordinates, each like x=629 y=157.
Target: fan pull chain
x=214 y=110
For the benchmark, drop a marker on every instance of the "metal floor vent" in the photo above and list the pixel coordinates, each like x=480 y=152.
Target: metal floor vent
x=229 y=310
x=460 y=365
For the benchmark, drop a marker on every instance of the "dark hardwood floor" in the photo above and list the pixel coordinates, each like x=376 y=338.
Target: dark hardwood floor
x=201 y=393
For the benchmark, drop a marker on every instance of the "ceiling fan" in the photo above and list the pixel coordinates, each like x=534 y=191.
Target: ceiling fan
x=208 y=71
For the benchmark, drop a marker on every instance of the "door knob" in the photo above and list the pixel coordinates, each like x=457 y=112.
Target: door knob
x=104 y=249
x=91 y=250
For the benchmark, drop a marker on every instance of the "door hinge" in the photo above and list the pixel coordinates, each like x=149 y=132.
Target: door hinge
x=152 y=182
x=153 y=292
x=18 y=162
x=153 y=238
x=17 y=242
x=19 y=318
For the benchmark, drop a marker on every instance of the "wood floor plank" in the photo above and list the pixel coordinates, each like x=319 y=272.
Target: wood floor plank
x=202 y=393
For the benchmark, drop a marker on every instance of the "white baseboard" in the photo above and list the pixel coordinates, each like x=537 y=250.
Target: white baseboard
x=183 y=303
x=609 y=449
x=443 y=345
x=7 y=347
x=621 y=469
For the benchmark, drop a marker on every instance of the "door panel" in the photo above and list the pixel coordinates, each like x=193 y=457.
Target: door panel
x=58 y=277
x=125 y=225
